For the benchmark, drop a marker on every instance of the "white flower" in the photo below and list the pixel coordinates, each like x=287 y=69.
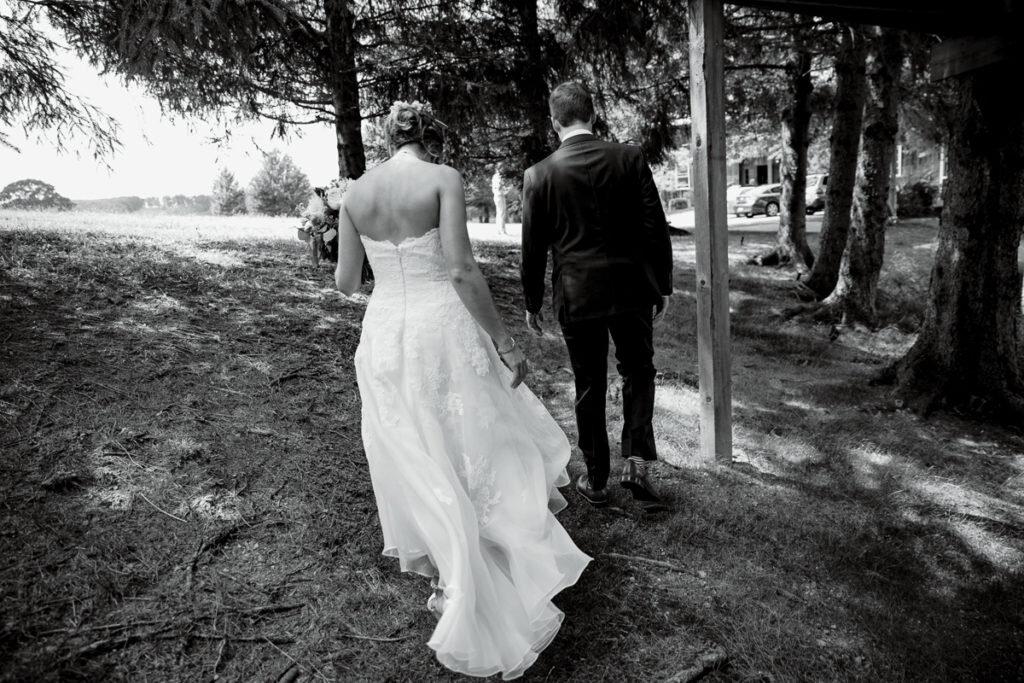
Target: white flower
x=421 y=107
x=334 y=195
x=315 y=207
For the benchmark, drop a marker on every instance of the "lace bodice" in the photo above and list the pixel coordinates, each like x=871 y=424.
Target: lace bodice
x=412 y=299
x=413 y=260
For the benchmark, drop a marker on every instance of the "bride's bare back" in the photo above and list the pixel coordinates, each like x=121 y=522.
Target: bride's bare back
x=398 y=200
x=405 y=198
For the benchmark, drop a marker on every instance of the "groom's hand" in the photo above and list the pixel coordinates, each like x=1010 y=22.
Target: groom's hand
x=533 y=321
x=659 y=309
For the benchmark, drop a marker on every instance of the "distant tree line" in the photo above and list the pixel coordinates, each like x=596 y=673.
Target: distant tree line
x=178 y=203
x=279 y=188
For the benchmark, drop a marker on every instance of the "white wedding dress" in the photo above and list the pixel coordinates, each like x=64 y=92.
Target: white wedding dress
x=464 y=468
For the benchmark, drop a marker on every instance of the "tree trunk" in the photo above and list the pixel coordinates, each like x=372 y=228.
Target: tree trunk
x=855 y=294
x=533 y=86
x=343 y=81
x=344 y=84
x=967 y=352
x=791 y=245
x=842 y=173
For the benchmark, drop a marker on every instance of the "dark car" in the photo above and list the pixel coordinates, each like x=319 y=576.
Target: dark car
x=757 y=200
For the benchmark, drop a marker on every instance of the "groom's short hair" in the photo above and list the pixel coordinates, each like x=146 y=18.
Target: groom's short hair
x=571 y=102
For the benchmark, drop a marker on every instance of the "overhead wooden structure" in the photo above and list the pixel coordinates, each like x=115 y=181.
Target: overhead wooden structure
x=940 y=17
x=973 y=35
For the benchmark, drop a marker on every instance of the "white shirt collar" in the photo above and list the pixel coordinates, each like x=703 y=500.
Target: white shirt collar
x=574 y=133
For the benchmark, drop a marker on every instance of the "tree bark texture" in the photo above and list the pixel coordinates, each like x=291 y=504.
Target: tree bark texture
x=340 y=48
x=795 y=137
x=847 y=118
x=533 y=85
x=855 y=293
x=968 y=350
x=791 y=244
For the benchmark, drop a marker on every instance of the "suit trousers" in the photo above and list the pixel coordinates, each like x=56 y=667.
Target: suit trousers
x=587 y=342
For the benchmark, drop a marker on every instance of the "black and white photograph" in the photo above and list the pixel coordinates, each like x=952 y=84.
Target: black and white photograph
x=567 y=341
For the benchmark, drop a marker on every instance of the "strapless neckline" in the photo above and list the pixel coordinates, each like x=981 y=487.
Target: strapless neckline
x=407 y=240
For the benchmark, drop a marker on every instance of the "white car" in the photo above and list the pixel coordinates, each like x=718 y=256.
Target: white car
x=815 y=195
x=757 y=200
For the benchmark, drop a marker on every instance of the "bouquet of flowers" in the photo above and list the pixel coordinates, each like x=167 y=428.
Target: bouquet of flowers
x=318 y=222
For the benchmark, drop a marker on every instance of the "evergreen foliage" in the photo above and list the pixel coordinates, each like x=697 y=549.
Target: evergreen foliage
x=485 y=66
x=291 y=62
x=637 y=63
x=228 y=198
x=279 y=188
x=33 y=89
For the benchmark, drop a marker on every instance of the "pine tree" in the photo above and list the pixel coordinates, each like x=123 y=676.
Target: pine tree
x=228 y=197
x=291 y=62
x=485 y=65
x=33 y=86
x=280 y=188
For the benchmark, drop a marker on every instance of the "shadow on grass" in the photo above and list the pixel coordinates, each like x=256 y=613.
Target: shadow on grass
x=186 y=495
x=857 y=543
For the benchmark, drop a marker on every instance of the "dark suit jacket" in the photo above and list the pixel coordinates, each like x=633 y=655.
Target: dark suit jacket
x=595 y=206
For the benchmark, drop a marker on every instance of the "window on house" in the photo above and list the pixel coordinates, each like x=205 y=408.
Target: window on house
x=682 y=176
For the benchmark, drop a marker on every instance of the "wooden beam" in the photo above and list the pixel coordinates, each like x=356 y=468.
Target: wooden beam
x=955 y=56
x=944 y=17
x=707 y=145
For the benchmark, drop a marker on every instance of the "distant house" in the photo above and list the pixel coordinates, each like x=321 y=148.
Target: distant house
x=916 y=160
x=673 y=177
x=673 y=181
x=753 y=171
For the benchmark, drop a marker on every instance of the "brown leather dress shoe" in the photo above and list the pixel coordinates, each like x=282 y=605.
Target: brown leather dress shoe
x=596 y=497
x=635 y=479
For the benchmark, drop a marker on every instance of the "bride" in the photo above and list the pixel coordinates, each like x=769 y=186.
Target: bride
x=465 y=460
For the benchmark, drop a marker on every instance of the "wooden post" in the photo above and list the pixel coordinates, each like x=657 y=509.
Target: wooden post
x=707 y=143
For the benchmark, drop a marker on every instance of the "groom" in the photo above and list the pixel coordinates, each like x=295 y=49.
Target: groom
x=595 y=206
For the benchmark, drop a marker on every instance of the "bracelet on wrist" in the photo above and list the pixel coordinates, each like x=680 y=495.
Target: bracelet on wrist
x=510 y=349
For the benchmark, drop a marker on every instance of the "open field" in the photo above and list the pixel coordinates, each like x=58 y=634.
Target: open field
x=184 y=497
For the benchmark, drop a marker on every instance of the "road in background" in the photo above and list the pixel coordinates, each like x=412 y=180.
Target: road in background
x=685 y=219
x=679 y=219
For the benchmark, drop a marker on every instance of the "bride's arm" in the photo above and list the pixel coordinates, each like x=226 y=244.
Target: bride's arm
x=349 y=272
x=465 y=275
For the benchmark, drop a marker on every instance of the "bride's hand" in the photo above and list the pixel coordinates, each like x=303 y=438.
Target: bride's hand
x=515 y=360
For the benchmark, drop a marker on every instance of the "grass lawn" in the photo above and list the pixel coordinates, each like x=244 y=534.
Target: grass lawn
x=184 y=495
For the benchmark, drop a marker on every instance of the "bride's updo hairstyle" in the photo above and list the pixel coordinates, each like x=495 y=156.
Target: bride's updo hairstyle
x=410 y=122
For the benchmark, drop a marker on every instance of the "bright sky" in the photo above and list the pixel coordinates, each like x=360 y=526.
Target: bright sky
x=158 y=156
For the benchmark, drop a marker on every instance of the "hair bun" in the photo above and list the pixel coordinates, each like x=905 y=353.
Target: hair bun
x=409 y=122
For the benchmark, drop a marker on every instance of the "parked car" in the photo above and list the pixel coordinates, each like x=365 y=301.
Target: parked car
x=815 y=195
x=731 y=192
x=757 y=200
